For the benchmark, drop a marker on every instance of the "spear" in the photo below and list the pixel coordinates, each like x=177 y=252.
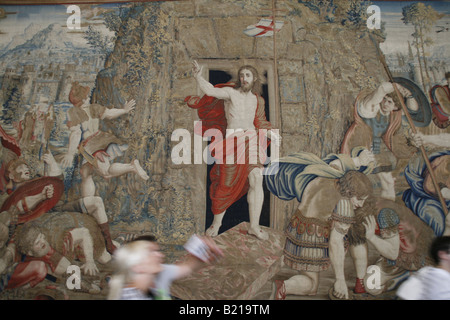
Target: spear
x=275 y=63
x=411 y=123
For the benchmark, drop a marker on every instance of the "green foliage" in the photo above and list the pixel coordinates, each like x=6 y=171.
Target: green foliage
x=145 y=35
x=10 y=112
x=422 y=18
x=345 y=12
x=98 y=41
x=113 y=20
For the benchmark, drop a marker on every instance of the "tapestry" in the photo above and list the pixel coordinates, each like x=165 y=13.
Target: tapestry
x=116 y=120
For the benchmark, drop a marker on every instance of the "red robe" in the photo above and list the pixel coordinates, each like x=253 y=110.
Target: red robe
x=229 y=182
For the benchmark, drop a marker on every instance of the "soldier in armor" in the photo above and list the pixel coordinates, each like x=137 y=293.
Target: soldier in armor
x=98 y=148
x=329 y=191
x=378 y=127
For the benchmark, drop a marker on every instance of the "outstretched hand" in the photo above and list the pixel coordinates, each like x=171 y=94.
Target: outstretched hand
x=67 y=160
x=196 y=68
x=214 y=252
x=203 y=248
x=90 y=268
x=129 y=105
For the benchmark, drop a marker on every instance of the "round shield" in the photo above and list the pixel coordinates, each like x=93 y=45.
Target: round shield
x=440 y=105
x=31 y=188
x=421 y=117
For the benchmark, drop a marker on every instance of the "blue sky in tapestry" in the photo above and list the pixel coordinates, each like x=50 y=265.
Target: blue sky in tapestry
x=399 y=35
x=20 y=22
x=38 y=35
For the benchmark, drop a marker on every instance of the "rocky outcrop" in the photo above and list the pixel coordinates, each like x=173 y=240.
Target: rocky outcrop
x=323 y=61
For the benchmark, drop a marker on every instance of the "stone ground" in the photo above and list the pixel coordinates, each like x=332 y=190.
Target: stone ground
x=325 y=283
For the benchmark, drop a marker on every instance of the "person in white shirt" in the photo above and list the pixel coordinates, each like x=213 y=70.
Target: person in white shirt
x=430 y=283
x=140 y=273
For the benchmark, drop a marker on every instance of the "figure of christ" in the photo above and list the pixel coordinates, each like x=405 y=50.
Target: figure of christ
x=98 y=148
x=243 y=112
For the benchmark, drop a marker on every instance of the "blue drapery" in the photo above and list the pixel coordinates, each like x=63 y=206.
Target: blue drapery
x=424 y=205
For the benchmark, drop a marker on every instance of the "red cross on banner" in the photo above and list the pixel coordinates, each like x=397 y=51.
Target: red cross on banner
x=264 y=28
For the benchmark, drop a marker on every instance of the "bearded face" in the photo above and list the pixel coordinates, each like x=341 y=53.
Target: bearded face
x=247 y=80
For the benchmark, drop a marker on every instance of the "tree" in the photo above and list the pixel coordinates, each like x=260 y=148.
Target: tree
x=11 y=106
x=422 y=17
x=112 y=19
x=98 y=41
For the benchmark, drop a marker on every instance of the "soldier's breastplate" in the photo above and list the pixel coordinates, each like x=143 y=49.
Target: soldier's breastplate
x=379 y=125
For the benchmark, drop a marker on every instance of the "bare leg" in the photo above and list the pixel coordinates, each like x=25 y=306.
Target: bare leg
x=87 y=182
x=139 y=171
x=255 y=198
x=118 y=169
x=213 y=230
x=303 y=285
x=96 y=209
x=360 y=260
